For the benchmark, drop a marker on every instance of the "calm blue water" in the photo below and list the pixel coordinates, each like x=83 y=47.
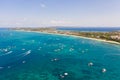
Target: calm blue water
x=35 y=56
x=100 y=29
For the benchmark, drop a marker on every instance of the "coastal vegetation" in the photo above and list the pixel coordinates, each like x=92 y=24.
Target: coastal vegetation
x=111 y=36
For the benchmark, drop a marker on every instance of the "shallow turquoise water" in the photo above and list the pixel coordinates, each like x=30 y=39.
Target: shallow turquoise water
x=35 y=56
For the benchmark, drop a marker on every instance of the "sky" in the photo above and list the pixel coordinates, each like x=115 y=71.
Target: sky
x=47 y=13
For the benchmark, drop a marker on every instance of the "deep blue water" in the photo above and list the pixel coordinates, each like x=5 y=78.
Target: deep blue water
x=99 y=29
x=37 y=56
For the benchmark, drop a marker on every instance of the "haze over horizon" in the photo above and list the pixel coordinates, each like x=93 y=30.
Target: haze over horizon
x=42 y=13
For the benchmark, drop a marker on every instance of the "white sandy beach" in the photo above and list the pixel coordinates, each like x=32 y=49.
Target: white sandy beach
x=112 y=42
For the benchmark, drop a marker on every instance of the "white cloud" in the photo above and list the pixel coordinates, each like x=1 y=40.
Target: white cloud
x=43 y=5
x=59 y=22
x=25 y=19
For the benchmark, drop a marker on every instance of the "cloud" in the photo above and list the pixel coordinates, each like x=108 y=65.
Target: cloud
x=43 y=5
x=25 y=19
x=58 y=22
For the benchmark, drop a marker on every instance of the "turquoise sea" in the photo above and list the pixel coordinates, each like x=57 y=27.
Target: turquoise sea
x=38 y=56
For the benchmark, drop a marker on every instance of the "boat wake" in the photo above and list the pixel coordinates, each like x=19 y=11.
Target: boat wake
x=27 y=53
x=112 y=55
x=7 y=53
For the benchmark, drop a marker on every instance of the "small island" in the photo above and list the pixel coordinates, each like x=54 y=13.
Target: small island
x=111 y=37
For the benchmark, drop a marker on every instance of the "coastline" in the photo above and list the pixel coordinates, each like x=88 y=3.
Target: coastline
x=101 y=40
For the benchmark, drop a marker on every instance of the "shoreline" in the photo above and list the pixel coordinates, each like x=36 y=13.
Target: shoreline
x=101 y=40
